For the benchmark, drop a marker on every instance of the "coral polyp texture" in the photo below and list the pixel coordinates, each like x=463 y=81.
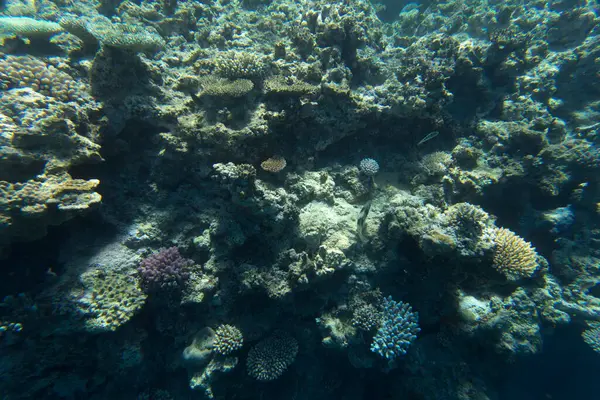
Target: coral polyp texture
x=111 y=298
x=592 y=338
x=369 y=166
x=208 y=199
x=273 y=164
x=399 y=328
x=228 y=339
x=513 y=256
x=271 y=357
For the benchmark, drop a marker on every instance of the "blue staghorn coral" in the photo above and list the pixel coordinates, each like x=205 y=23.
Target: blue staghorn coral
x=398 y=329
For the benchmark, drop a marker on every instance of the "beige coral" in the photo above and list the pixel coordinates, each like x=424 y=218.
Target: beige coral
x=223 y=87
x=46 y=129
x=514 y=257
x=27 y=208
x=228 y=339
x=31 y=72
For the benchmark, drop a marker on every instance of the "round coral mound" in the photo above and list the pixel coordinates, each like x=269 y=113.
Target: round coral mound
x=228 y=339
x=269 y=359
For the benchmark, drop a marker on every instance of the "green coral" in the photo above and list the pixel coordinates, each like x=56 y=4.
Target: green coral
x=112 y=298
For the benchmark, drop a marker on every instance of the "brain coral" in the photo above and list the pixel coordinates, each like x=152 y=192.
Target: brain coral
x=269 y=359
x=514 y=257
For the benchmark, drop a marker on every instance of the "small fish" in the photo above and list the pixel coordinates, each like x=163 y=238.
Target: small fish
x=429 y=136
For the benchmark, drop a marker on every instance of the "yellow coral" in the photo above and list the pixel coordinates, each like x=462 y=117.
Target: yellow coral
x=514 y=257
x=113 y=298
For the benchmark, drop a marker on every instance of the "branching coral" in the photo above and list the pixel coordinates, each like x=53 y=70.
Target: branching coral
x=237 y=64
x=165 y=270
x=228 y=339
x=269 y=359
x=398 y=330
x=514 y=257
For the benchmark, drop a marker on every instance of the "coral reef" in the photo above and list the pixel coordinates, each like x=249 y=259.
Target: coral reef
x=209 y=199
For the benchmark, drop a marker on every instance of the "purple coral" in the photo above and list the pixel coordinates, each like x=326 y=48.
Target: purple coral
x=164 y=270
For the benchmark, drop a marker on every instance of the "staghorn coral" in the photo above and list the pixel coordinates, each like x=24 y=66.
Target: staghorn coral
x=269 y=359
x=399 y=328
x=514 y=257
x=228 y=339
